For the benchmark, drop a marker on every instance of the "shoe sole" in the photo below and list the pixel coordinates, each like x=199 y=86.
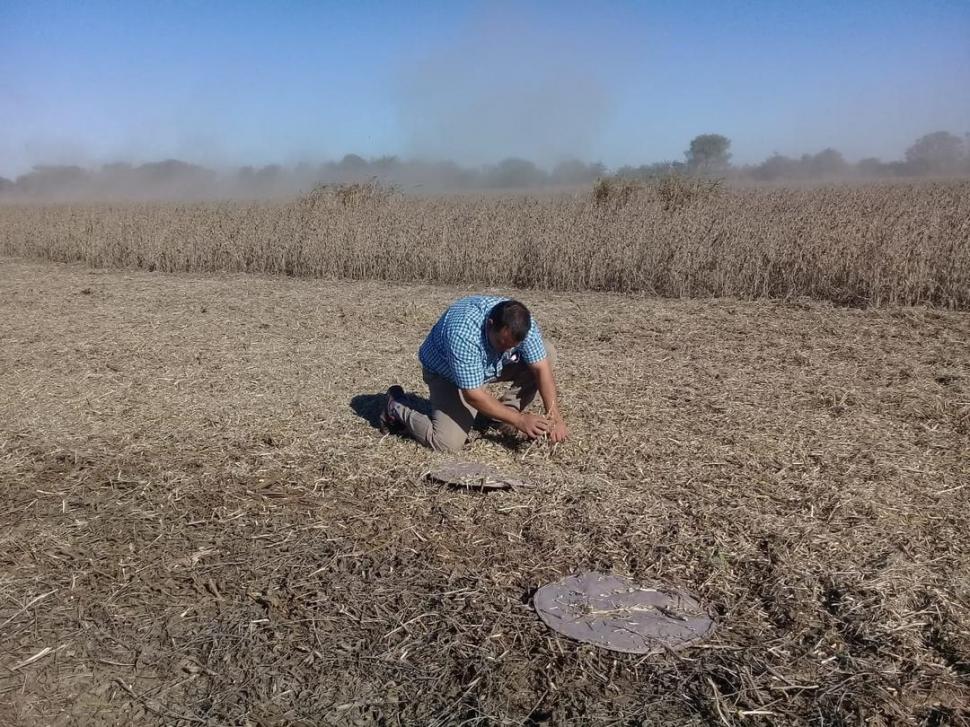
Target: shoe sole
x=386 y=424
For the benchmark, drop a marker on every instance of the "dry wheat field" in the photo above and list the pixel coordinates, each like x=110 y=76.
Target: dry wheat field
x=202 y=525
x=866 y=245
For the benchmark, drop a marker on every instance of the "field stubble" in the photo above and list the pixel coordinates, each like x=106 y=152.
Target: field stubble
x=199 y=527
x=865 y=245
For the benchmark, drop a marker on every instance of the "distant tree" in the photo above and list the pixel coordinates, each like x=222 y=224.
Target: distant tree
x=386 y=164
x=651 y=171
x=514 y=172
x=776 y=167
x=709 y=153
x=5 y=184
x=940 y=151
x=444 y=174
x=900 y=169
x=626 y=172
x=301 y=178
x=871 y=167
x=117 y=179
x=172 y=178
x=52 y=181
x=116 y=168
x=305 y=173
x=269 y=173
x=827 y=163
x=265 y=180
x=172 y=170
x=353 y=164
x=573 y=171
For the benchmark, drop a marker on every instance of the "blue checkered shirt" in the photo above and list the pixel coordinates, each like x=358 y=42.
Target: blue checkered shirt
x=458 y=348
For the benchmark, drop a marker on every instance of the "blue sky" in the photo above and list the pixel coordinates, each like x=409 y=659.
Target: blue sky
x=228 y=83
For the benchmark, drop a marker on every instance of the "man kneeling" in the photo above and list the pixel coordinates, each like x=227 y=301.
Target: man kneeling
x=480 y=340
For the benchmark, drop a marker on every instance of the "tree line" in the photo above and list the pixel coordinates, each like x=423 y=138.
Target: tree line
x=938 y=153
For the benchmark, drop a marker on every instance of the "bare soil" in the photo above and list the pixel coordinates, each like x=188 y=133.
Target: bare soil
x=201 y=525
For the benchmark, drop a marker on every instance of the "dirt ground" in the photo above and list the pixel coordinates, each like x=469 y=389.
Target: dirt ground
x=200 y=524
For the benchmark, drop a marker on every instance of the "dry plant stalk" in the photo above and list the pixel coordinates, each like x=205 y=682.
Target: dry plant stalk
x=868 y=245
x=196 y=509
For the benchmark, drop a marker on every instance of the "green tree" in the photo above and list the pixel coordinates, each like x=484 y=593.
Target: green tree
x=709 y=153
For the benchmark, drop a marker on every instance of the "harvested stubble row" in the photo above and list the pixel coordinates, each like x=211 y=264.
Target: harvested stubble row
x=868 y=245
x=200 y=527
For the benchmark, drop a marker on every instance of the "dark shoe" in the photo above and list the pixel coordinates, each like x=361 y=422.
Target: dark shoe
x=389 y=421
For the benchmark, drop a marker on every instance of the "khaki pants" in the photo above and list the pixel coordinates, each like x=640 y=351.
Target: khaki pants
x=446 y=430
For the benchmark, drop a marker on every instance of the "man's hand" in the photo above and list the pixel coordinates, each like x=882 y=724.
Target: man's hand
x=558 y=432
x=533 y=426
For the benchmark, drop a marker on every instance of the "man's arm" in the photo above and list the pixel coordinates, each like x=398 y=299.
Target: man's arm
x=558 y=431
x=529 y=424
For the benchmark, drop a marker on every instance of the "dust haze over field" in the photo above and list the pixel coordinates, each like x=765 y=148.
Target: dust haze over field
x=509 y=99
x=505 y=88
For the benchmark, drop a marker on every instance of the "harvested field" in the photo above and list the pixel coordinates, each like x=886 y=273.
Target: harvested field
x=200 y=526
x=865 y=245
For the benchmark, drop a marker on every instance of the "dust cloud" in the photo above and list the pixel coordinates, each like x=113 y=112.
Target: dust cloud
x=510 y=101
x=505 y=87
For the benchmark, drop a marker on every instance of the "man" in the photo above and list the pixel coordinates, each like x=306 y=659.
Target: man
x=479 y=340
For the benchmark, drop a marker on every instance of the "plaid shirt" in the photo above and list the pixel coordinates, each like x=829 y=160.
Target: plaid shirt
x=458 y=348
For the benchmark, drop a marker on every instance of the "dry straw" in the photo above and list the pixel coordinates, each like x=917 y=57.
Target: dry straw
x=852 y=245
x=197 y=526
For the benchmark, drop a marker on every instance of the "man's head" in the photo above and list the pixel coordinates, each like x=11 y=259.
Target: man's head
x=507 y=325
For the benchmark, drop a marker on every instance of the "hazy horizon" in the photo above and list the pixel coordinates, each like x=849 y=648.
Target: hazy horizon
x=236 y=84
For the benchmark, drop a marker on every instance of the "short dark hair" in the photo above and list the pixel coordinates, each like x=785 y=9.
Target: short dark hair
x=514 y=316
